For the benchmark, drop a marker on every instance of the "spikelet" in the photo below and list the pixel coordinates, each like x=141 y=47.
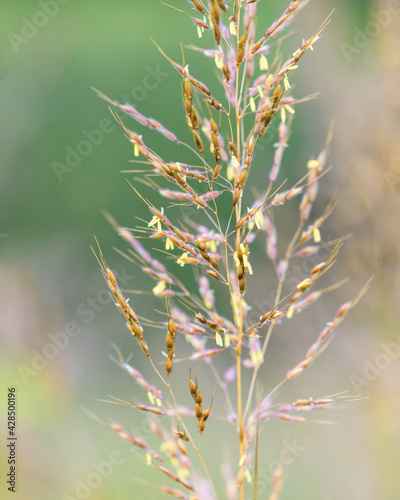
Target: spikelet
x=126 y=311
x=170 y=344
x=150 y=123
x=215 y=19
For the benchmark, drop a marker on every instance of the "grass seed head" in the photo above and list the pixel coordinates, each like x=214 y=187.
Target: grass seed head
x=225 y=136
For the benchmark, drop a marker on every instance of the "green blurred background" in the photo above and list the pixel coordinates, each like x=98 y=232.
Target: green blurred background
x=50 y=278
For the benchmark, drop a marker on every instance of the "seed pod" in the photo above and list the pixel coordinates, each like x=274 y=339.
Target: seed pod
x=198 y=398
x=214 y=263
x=318 y=268
x=276 y=96
x=201 y=426
x=203 y=250
x=111 y=278
x=172 y=327
x=214 y=126
x=170 y=344
x=215 y=19
x=216 y=171
x=242 y=40
x=241 y=48
x=243 y=177
x=206 y=413
x=304 y=285
x=194 y=119
x=214 y=275
x=222 y=5
x=192 y=388
x=226 y=72
x=216 y=147
x=188 y=105
x=241 y=272
x=232 y=149
x=269 y=316
x=198 y=142
x=240 y=55
x=214 y=103
x=169 y=341
x=201 y=319
x=144 y=346
x=236 y=196
x=296 y=296
x=257 y=46
x=179 y=434
x=187 y=88
x=198 y=6
x=242 y=285
x=198 y=411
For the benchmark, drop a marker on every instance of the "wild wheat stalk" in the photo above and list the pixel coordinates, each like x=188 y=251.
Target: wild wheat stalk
x=225 y=135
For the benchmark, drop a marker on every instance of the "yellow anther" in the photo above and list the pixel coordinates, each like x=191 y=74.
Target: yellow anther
x=263 y=63
x=169 y=244
x=211 y=245
x=159 y=288
x=183 y=259
x=151 y=397
x=313 y=164
x=235 y=162
x=286 y=83
x=218 y=339
x=316 y=235
x=259 y=219
x=218 y=61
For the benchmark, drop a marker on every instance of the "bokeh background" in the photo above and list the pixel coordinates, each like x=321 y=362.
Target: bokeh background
x=50 y=280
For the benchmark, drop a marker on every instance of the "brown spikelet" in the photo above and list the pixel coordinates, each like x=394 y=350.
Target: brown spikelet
x=174 y=477
x=128 y=314
x=170 y=345
x=215 y=19
x=222 y=5
x=198 y=5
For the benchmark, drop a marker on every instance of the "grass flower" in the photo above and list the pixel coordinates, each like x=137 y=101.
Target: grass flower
x=215 y=249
